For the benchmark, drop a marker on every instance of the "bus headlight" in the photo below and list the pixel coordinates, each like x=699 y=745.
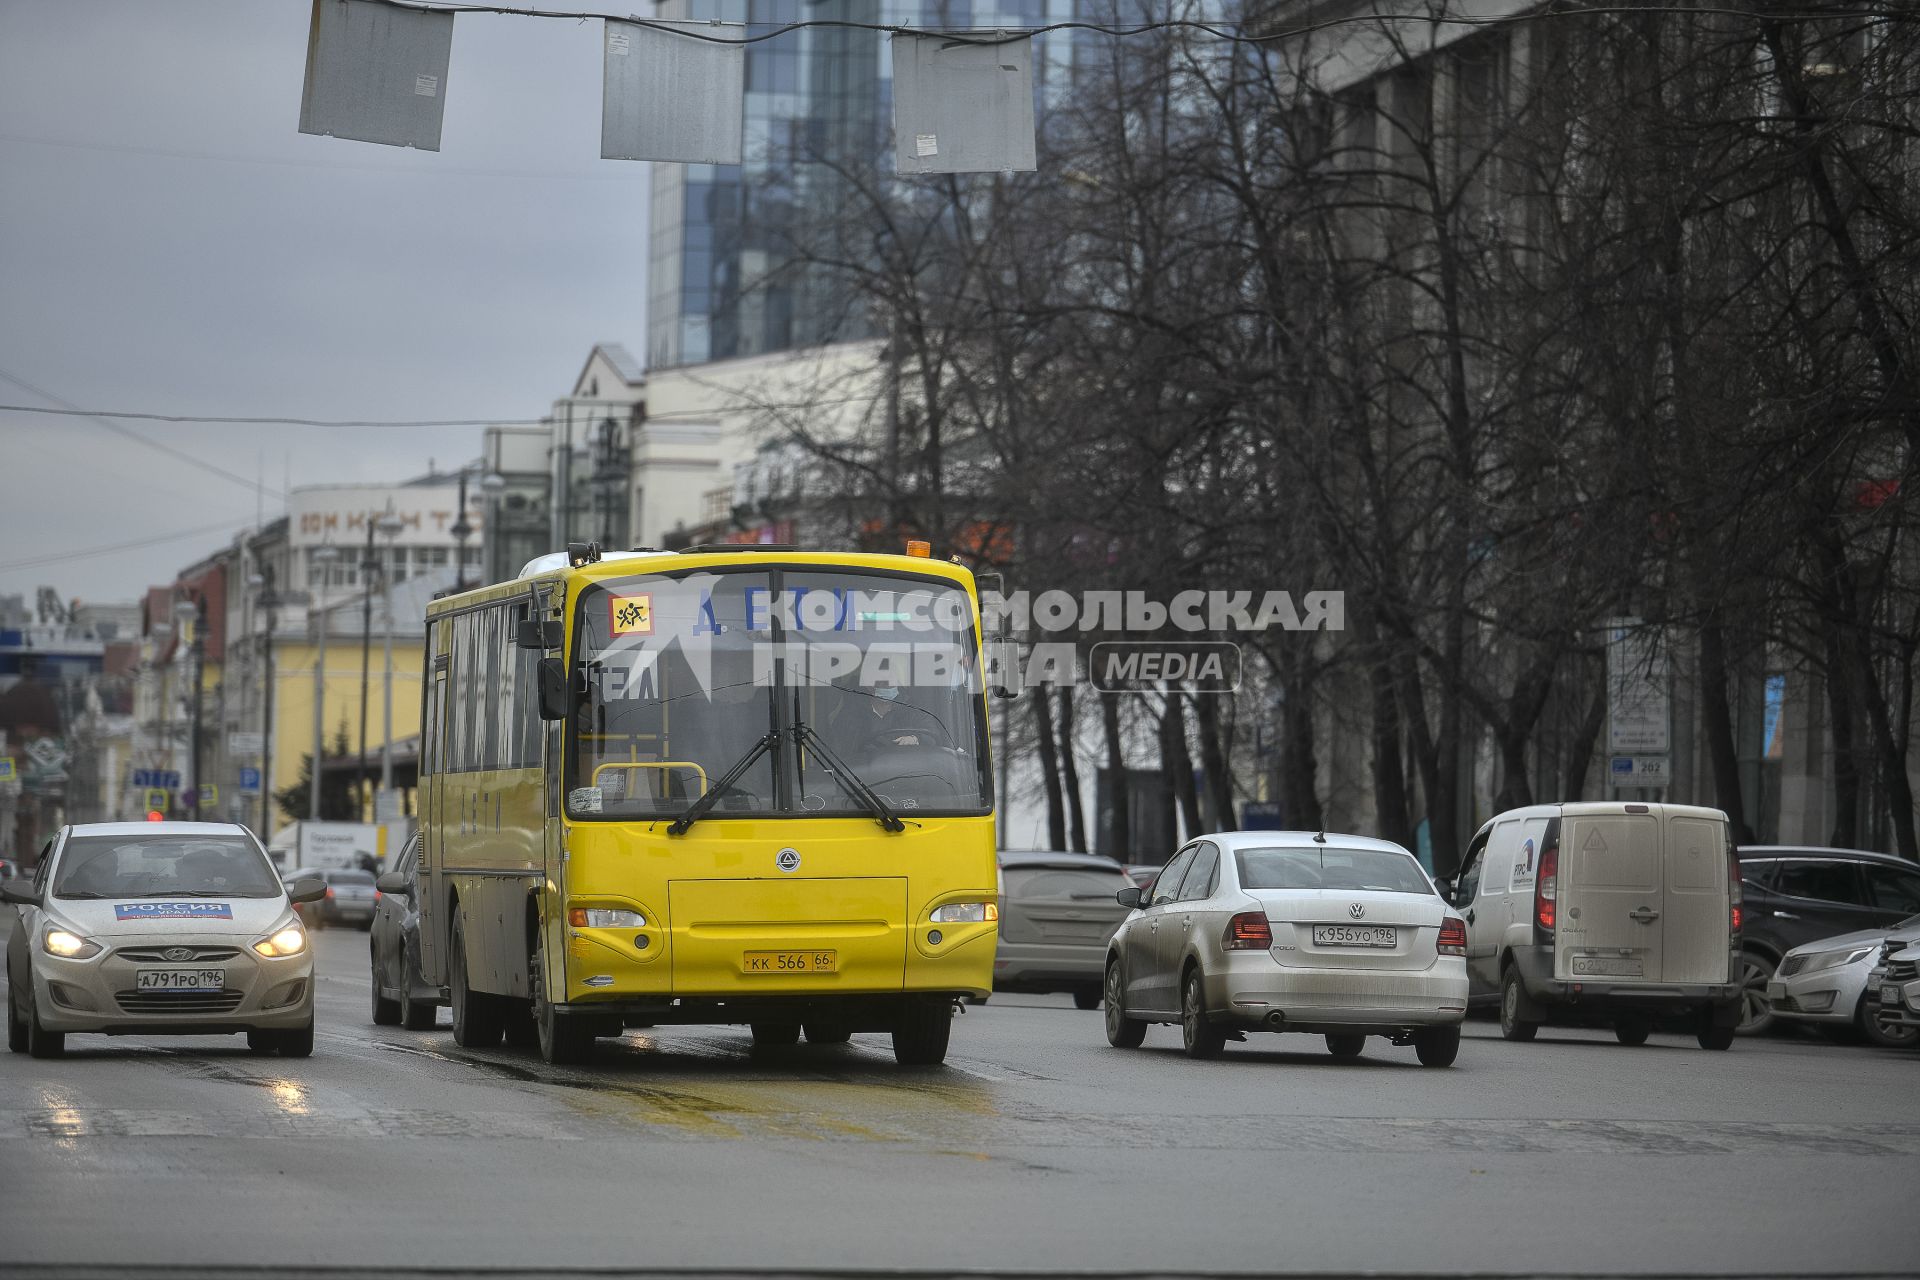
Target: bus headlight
x=69 y=946
x=290 y=941
x=966 y=913
x=605 y=918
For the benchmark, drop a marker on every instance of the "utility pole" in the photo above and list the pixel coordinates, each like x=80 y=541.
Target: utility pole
x=269 y=603
x=323 y=558
x=199 y=679
x=389 y=526
x=368 y=567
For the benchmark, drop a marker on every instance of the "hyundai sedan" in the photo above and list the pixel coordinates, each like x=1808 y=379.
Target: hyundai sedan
x=163 y=928
x=1333 y=935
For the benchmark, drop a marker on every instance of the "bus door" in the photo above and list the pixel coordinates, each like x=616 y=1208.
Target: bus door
x=433 y=817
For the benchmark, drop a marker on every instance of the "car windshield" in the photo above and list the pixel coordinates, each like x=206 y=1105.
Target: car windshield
x=350 y=877
x=1331 y=867
x=780 y=692
x=164 y=866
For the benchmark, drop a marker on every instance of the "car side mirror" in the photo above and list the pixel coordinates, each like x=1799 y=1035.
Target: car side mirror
x=306 y=889
x=555 y=699
x=1128 y=897
x=19 y=895
x=395 y=882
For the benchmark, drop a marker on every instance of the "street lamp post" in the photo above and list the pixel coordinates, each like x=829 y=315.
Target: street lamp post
x=194 y=611
x=368 y=567
x=491 y=483
x=389 y=526
x=269 y=603
x=322 y=558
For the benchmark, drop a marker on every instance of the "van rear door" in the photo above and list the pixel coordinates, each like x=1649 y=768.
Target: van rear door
x=1696 y=924
x=1611 y=897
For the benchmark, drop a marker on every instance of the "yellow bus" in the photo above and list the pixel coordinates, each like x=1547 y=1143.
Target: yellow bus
x=724 y=785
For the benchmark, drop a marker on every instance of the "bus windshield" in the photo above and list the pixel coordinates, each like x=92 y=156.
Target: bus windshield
x=784 y=691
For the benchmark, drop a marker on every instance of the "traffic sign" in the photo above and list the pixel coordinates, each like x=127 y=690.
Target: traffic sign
x=1637 y=771
x=157 y=798
x=209 y=795
x=6 y=769
x=159 y=779
x=245 y=742
x=249 y=779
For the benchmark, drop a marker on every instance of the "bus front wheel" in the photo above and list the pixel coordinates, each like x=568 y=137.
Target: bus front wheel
x=564 y=1040
x=920 y=1035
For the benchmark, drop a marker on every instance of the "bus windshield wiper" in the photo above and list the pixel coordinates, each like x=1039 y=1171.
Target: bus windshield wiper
x=803 y=735
x=709 y=798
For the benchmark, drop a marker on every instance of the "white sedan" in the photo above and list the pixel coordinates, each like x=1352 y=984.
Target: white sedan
x=1336 y=935
x=168 y=928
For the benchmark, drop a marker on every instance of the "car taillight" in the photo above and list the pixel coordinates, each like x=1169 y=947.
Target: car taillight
x=1734 y=895
x=1453 y=936
x=1248 y=931
x=1545 y=887
x=329 y=891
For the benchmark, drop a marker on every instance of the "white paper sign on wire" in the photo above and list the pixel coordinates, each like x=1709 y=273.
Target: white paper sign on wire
x=1639 y=701
x=962 y=104
x=376 y=73
x=668 y=96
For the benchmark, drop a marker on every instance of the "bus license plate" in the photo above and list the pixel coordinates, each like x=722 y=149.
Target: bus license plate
x=179 y=979
x=790 y=962
x=1346 y=935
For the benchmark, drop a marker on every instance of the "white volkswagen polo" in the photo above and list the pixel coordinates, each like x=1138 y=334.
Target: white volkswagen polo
x=167 y=928
x=1334 y=935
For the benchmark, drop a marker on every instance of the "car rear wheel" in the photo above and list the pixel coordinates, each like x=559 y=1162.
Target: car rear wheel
x=1087 y=997
x=1512 y=1025
x=477 y=1021
x=1756 y=1015
x=386 y=1013
x=1437 y=1046
x=1122 y=1032
x=1632 y=1030
x=1200 y=1038
x=1715 y=1037
x=1345 y=1046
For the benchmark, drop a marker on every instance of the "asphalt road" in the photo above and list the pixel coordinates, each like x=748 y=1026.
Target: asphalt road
x=1037 y=1147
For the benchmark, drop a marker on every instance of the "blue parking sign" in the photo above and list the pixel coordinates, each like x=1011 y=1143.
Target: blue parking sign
x=249 y=779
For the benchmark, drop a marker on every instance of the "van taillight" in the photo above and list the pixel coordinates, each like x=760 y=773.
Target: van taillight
x=1248 y=931
x=1453 y=936
x=1734 y=895
x=329 y=891
x=1545 y=887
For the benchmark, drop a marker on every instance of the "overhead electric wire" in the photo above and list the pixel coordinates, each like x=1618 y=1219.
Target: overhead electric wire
x=697 y=30
x=72 y=410
x=58 y=557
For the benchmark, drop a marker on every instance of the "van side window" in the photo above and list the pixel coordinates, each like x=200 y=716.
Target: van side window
x=1468 y=885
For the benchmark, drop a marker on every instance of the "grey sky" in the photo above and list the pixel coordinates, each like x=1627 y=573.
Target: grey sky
x=169 y=242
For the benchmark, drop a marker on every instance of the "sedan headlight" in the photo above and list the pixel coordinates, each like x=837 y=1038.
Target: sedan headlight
x=1839 y=959
x=966 y=913
x=290 y=941
x=605 y=918
x=69 y=946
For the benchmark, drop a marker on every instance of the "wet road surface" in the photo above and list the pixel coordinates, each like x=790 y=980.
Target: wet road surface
x=1037 y=1147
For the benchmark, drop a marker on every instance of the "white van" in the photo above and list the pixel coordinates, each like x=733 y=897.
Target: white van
x=1605 y=914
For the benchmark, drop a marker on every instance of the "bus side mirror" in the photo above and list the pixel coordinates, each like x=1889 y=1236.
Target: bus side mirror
x=554 y=702
x=540 y=633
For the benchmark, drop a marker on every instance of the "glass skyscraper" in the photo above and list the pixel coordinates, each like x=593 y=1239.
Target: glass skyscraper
x=722 y=282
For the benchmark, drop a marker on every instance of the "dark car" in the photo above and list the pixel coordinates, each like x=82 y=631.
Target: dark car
x=400 y=995
x=1794 y=895
x=351 y=897
x=1057 y=911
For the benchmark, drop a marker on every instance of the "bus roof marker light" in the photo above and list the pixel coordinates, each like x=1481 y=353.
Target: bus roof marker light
x=923 y=550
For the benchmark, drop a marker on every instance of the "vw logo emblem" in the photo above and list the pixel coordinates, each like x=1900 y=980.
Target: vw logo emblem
x=787 y=859
x=177 y=954
x=1357 y=910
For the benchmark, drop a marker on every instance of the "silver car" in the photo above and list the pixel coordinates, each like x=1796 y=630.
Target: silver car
x=1824 y=984
x=1893 y=988
x=1057 y=911
x=1335 y=935
x=165 y=928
